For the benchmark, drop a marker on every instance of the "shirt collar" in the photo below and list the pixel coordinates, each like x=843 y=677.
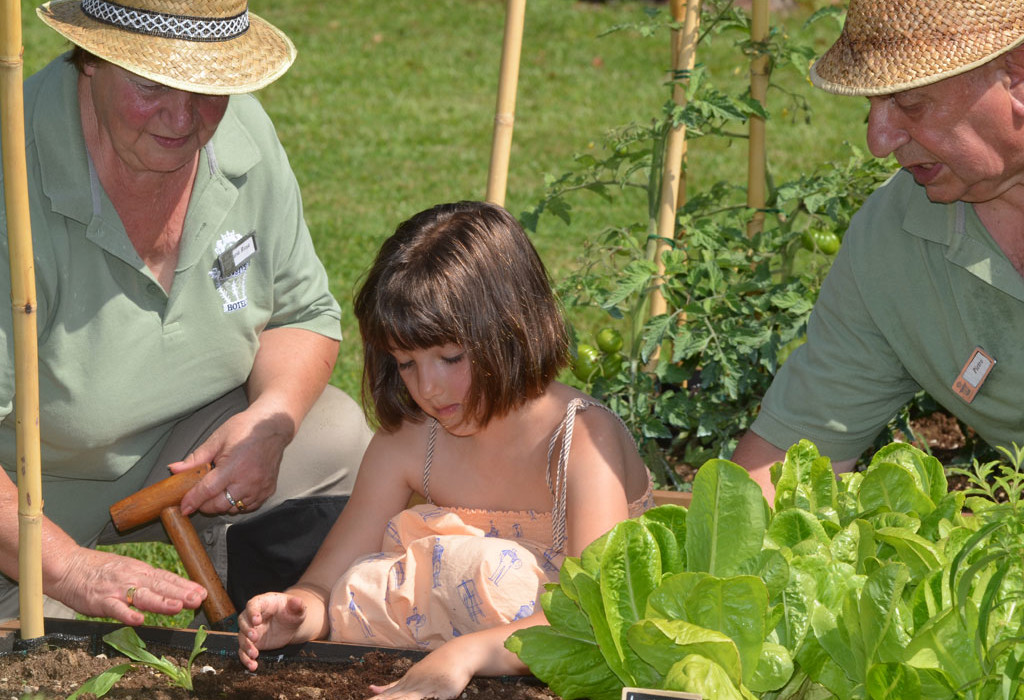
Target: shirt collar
x=56 y=131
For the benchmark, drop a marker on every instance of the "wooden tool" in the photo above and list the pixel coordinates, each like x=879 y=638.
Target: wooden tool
x=161 y=500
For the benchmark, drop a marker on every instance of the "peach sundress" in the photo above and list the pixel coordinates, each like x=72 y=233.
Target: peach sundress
x=444 y=572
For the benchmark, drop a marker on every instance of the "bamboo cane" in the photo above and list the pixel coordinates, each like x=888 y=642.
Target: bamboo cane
x=23 y=302
x=505 y=111
x=760 y=68
x=684 y=54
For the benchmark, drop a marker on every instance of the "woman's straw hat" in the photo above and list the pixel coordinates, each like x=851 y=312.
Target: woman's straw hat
x=214 y=47
x=888 y=46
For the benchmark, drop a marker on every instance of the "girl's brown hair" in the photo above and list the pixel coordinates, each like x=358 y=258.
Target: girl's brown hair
x=466 y=274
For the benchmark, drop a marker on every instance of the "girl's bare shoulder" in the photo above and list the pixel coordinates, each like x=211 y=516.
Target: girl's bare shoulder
x=601 y=440
x=597 y=418
x=404 y=449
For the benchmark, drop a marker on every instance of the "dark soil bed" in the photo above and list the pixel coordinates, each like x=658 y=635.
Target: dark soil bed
x=56 y=666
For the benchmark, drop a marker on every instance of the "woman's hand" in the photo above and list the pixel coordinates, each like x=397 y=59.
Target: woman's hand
x=103 y=584
x=269 y=621
x=289 y=373
x=246 y=451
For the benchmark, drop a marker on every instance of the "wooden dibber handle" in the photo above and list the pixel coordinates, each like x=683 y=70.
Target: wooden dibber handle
x=218 y=605
x=144 y=506
x=161 y=500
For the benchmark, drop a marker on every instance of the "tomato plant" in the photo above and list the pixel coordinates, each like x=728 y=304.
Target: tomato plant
x=691 y=378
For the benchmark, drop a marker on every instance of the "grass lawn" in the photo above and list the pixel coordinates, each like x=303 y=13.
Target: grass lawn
x=389 y=109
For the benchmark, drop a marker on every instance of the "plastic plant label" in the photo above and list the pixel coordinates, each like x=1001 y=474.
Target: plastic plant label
x=648 y=694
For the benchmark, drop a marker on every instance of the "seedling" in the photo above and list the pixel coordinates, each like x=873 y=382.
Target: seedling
x=126 y=641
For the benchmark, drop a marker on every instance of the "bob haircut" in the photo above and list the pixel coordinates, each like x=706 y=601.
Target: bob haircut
x=466 y=274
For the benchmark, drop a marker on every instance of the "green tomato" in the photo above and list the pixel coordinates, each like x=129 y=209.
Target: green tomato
x=828 y=242
x=609 y=340
x=820 y=239
x=587 y=364
x=611 y=365
x=807 y=240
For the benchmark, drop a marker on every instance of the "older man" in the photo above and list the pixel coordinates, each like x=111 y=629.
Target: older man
x=927 y=291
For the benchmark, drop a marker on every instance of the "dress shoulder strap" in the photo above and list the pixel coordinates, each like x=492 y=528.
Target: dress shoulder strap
x=431 y=441
x=562 y=437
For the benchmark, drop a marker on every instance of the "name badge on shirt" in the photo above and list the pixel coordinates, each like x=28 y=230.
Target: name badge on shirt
x=973 y=375
x=237 y=255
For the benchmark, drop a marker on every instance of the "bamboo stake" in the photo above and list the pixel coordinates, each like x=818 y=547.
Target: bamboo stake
x=673 y=184
x=23 y=302
x=505 y=111
x=760 y=68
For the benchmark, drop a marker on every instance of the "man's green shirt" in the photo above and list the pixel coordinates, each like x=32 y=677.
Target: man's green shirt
x=915 y=289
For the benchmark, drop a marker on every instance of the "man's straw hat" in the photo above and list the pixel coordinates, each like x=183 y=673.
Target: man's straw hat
x=214 y=47
x=888 y=46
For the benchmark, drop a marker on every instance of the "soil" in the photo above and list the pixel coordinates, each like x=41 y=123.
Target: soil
x=57 y=668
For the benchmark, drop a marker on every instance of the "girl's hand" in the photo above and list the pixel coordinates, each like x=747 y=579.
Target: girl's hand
x=443 y=674
x=269 y=621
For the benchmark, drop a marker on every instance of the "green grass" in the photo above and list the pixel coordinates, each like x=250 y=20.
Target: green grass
x=389 y=109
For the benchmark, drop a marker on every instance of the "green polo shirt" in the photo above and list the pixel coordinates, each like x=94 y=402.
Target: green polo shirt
x=914 y=290
x=120 y=360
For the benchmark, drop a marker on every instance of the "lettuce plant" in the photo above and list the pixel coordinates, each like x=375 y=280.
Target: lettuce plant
x=876 y=585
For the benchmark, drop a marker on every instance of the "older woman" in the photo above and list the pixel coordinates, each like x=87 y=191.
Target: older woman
x=183 y=314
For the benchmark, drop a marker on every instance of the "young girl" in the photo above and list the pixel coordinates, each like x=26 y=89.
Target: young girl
x=462 y=340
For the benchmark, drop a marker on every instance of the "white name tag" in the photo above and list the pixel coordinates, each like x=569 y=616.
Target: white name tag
x=237 y=255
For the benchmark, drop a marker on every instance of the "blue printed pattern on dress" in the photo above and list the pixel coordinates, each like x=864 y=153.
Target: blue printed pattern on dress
x=428 y=515
x=470 y=600
x=358 y=613
x=517 y=529
x=436 y=562
x=398 y=574
x=493 y=531
x=525 y=611
x=549 y=560
x=508 y=560
x=414 y=622
x=392 y=531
